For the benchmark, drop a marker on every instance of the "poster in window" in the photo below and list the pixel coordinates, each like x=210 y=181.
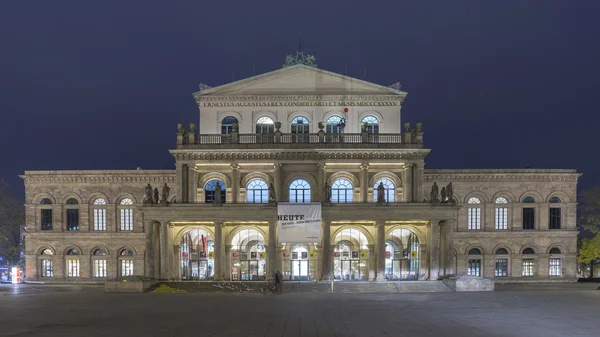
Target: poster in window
x=203 y=255
x=336 y=254
x=355 y=255
x=235 y=255
x=243 y=256
x=262 y=255
x=387 y=254
x=253 y=255
x=185 y=256
x=304 y=255
x=346 y=254
x=294 y=255
x=211 y=255
x=286 y=255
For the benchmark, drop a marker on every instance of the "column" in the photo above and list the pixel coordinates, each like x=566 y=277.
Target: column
x=327 y=252
x=447 y=238
x=543 y=214
x=320 y=181
x=176 y=269
x=277 y=181
x=227 y=262
x=219 y=251
x=380 y=247
x=192 y=191
x=434 y=264
x=372 y=262
x=156 y=248
x=235 y=182
x=149 y=256
x=364 y=182
x=182 y=195
x=272 y=248
x=164 y=250
x=423 y=262
x=407 y=184
x=418 y=169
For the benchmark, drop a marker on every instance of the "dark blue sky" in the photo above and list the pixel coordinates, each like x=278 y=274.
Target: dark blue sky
x=102 y=84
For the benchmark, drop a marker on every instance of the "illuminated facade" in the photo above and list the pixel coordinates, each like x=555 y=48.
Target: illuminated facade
x=301 y=129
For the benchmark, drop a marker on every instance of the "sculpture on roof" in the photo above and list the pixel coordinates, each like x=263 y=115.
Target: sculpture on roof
x=148 y=194
x=202 y=87
x=396 y=86
x=300 y=58
x=433 y=195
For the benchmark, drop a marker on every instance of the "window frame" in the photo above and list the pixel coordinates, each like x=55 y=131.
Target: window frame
x=98 y=207
x=209 y=198
x=227 y=128
x=372 y=128
x=126 y=217
x=263 y=126
x=501 y=214
x=342 y=189
x=334 y=127
x=300 y=128
x=474 y=214
x=252 y=191
x=387 y=191
x=528 y=267
x=306 y=191
x=555 y=270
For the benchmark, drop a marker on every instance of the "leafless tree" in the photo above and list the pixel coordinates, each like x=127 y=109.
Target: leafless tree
x=12 y=225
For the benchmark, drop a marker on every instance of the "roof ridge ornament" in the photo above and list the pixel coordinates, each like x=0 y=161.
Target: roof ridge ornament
x=300 y=58
x=396 y=86
x=203 y=87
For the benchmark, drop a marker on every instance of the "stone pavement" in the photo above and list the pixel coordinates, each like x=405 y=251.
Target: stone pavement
x=28 y=310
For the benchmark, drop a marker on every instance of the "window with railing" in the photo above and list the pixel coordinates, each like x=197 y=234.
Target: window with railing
x=227 y=124
x=265 y=124
x=370 y=124
x=300 y=125
x=335 y=124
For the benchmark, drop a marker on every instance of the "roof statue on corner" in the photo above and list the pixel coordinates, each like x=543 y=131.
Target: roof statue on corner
x=300 y=58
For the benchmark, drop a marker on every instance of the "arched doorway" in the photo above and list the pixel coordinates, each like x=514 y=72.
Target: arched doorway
x=197 y=255
x=248 y=256
x=300 y=263
x=401 y=255
x=350 y=256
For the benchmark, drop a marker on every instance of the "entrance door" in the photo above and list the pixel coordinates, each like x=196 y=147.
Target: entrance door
x=299 y=270
x=350 y=270
x=252 y=270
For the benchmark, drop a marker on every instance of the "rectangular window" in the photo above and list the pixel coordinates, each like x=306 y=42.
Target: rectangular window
x=474 y=218
x=127 y=219
x=528 y=267
x=126 y=267
x=99 y=268
x=555 y=267
x=46 y=216
x=474 y=267
x=501 y=268
x=72 y=219
x=99 y=219
x=529 y=218
x=72 y=268
x=554 y=218
x=46 y=270
x=501 y=218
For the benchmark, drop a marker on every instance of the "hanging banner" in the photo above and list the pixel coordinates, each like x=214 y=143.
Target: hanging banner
x=299 y=223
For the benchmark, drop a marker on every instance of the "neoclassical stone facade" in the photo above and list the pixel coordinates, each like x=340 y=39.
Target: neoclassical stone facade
x=302 y=130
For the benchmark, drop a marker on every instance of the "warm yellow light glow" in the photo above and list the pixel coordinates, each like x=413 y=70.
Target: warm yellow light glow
x=366 y=222
x=398 y=164
x=192 y=222
x=341 y=163
x=247 y=222
x=254 y=164
x=408 y=222
x=211 y=164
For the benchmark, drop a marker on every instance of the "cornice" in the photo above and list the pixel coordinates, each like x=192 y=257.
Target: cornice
x=183 y=155
x=99 y=179
x=296 y=98
x=524 y=177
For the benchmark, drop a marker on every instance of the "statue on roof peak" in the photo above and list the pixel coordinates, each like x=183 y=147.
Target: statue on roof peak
x=300 y=58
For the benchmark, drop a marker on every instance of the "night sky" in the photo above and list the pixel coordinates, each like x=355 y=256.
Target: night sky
x=102 y=84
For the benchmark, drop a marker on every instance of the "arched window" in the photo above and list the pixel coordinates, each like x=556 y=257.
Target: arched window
x=501 y=213
x=227 y=124
x=46 y=263
x=528 y=263
x=389 y=190
x=474 y=213
x=73 y=262
x=401 y=255
x=529 y=213
x=300 y=125
x=555 y=213
x=350 y=255
x=370 y=124
x=72 y=214
x=501 y=263
x=126 y=262
x=46 y=214
x=248 y=255
x=209 y=191
x=341 y=191
x=299 y=191
x=99 y=263
x=528 y=251
x=335 y=124
x=555 y=263
x=197 y=255
x=257 y=192
x=264 y=124
x=474 y=262
x=99 y=206
x=126 y=214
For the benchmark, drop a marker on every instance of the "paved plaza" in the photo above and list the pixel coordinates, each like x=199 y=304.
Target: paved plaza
x=40 y=310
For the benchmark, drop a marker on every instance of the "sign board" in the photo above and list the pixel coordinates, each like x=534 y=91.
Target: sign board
x=299 y=223
x=235 y=255
x=285 y=255
x=185 y=256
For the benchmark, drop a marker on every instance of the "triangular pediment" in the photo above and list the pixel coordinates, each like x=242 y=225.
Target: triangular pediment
x=300 y=79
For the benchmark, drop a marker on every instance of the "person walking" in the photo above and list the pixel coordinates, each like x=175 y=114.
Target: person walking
x=278 y=282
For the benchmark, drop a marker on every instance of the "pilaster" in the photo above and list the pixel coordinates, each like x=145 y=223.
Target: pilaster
x=327 y=252
x=192 y=193
x=272 y=249
x=380 y=248
x=235 y=182
x=434 y=264
x=156 y=252
x=219 y=260
x=407 y=184
x=364 y=182
x=164 y=250
x=149 y=255
x=277 y=181
x=447 y=247
x=320 y=181
x=418 y=181
x=372 y=262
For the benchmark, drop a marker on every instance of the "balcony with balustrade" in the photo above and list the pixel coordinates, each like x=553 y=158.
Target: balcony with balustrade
x=190 y=139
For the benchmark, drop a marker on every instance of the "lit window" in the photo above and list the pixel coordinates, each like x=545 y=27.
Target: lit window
x=474 y=214
x=501 y=213
x=389 y=190
x=257 y=192
x=341 y=191
x=227 y=125
x=335 y=124
x=46 y=268
x=300 y=124
x=528 y=267
x=474 y=263
x=371 y=123
x=501 y=268
x=209 y=191
x=99 y=214
x=99 y=268
x=126 y=267
x=126 y=214
x=299 y=191
x=264 y=124
x=72 y=268
x=555 y=267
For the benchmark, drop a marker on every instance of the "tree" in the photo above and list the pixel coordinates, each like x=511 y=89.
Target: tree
x=589 y=223
x=12 y=224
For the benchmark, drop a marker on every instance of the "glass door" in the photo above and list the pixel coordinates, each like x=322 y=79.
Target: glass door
x=299 y=270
